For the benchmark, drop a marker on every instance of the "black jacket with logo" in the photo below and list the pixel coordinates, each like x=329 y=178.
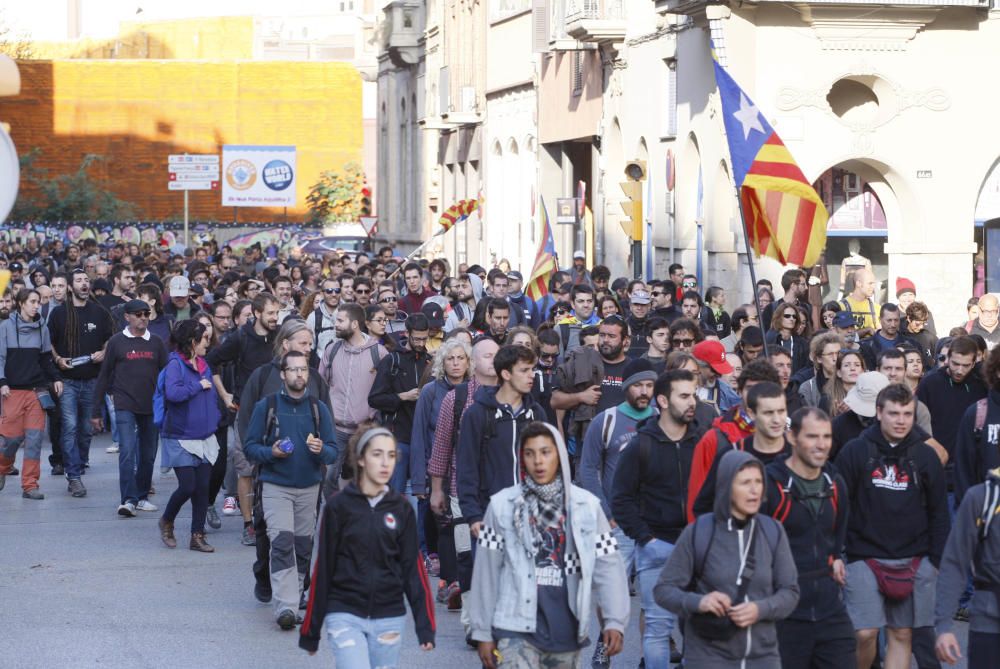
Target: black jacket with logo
x=365 y=560
x=898 y=498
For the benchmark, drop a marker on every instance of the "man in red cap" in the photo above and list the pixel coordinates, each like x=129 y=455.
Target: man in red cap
x=712 y=363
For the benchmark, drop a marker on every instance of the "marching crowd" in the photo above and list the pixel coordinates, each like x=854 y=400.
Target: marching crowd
x=812 y=487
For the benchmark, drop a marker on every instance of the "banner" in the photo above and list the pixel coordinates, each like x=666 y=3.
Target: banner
x=258 y=176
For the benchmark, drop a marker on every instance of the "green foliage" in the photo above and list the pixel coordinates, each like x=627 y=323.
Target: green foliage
x=337 y=196
x=67 y=197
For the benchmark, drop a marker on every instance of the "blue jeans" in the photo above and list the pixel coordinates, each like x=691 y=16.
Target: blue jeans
x=110 y=404
x=136 y=454
x=401 y=474
x=76 y=404
x=363 y=643
x=649 y=561
x=626 y=546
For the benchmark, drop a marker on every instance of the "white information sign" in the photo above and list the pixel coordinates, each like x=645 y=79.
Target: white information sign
x=258 y=176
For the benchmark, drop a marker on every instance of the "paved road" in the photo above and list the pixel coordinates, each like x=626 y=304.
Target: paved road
x=85 y=588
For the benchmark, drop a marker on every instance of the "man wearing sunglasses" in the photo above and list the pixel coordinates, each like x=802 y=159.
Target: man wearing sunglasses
x=132 y=361
x=323 y=320
x=395 y=323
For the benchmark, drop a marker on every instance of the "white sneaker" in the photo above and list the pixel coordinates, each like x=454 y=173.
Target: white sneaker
x=146 y=505
x=126 y=510
x=229 y=507
x=113 y=448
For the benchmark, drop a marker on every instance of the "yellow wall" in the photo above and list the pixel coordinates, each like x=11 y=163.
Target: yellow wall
x=136 y=112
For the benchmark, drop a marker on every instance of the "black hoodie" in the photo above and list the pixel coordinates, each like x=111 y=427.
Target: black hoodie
x=247 y=349
x=898 y=498
x=488 y=448
x=649 y=495
x=397 y=372
x=816 y=539
x=365 y=559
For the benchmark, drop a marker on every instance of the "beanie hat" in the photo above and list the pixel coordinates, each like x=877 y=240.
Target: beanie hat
x=637 y=371
x=905 y=286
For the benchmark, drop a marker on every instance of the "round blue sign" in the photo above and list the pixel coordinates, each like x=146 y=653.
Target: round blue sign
x=277 y=175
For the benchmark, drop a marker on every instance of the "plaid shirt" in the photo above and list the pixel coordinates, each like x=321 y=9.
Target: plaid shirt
x=443 y=450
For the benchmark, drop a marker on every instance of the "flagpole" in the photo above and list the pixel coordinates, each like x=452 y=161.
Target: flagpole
x=753 y=272
x=415 y=252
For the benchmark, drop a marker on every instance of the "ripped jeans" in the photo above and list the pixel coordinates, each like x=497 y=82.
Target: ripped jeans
x=364 y=643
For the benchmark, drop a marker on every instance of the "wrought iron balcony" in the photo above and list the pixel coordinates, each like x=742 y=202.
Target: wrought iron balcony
x=598 y=21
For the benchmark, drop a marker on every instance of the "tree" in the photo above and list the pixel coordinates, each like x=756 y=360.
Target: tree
x=17 y=46
x=339 y=197
x=67 y=197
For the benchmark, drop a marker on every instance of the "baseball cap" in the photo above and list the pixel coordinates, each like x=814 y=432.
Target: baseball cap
x=179 y=286
x=515 y=275
x=640 y=297
x=712 y=353
x=135 y=306
x=861 y=398
x=579 y=254
x=16 y=267
x=434 y=314
x=197 y=289
x=844 y=319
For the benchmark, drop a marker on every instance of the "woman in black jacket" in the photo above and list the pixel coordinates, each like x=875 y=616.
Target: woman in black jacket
x=784 y=326
x=366 y=558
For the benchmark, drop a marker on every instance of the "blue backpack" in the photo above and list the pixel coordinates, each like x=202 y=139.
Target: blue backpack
x=160 y=399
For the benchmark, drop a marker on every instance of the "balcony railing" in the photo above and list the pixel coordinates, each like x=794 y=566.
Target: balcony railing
x=596 y=20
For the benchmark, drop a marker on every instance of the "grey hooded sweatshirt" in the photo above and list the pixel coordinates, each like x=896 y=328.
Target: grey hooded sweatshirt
x=773 y=586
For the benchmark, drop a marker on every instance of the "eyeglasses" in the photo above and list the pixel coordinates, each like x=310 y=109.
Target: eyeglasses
x=332 y=291
x=380 y=321
x=297 y=370
x=362 y=291
x=386 y=300
x=682 y=342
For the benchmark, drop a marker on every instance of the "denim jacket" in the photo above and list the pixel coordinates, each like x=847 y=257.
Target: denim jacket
x=504 y=589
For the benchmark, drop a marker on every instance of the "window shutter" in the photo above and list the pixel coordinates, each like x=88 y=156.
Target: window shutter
x=540 y=26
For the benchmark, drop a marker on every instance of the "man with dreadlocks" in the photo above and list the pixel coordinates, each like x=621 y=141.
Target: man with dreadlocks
x=79 y=328
x=545 y=551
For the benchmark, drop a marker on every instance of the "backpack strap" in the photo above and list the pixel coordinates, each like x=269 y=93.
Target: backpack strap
x=328 y=370
x=314 y=409
x=784 y=501
x=769 y=527
x=702 y=535
x=374 y=353
x=990 y=502
x=271 y=421
x=610 y=418
x=981 y=408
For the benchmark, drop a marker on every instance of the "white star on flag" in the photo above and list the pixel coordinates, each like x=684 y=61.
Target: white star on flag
x=749 y=116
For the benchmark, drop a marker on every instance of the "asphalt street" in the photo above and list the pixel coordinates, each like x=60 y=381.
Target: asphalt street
x=86 y=588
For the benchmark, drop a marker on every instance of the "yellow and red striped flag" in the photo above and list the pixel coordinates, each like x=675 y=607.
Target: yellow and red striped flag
x=546 y=262
x=785 y=218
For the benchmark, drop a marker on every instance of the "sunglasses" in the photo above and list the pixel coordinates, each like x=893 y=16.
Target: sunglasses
x=362 y=291
x=332 y=291
x=388 y=299
x=141 y=314
x=682 y=342
x=688 y=285
x=788 y=316
x=657 y=293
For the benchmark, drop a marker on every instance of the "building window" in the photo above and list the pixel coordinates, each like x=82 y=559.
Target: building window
x=577 y=74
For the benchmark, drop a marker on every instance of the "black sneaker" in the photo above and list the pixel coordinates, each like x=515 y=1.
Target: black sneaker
x=76 y=488
x=58 y=470
x=304 y=601
x=286 y=619
x=262 y=592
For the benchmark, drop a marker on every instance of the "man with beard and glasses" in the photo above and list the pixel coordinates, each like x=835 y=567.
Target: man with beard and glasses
x=79 y=329
x=463 y=304
x=649 y=495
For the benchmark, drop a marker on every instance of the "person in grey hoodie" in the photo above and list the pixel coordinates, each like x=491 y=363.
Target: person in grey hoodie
x=973 y=543
x=545 y=556
x=739 y=542
x=26 y=370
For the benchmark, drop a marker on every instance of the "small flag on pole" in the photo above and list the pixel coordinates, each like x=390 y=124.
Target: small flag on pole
x=546 y=263
x=784 y=216
x=456 y=213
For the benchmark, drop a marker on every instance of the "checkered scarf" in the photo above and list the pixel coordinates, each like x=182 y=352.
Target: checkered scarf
x=538 y=508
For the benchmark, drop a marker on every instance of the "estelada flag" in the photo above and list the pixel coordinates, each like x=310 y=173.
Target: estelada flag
x=546 y=263
x=784 y=216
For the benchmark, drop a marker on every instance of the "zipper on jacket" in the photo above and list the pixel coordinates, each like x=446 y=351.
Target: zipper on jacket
x=371 y=572
x=682 y=480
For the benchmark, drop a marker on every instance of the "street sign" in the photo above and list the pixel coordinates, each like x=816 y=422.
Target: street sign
x=193 y=169
x=192 y=185
x=193 y=159
x=193 y=176
x=370 y=224
x=566 y=210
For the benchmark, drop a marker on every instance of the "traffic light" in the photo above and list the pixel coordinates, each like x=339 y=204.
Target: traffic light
x=366 y=201
x=10 y=173
x=635 y=172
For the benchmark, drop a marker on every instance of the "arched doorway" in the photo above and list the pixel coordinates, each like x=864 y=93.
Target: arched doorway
x=861 y=203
